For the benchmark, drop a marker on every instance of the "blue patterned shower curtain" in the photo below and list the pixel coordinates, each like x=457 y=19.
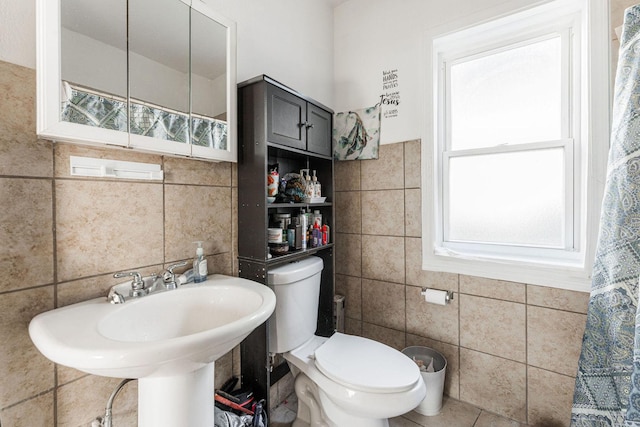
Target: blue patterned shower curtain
x=607 y=391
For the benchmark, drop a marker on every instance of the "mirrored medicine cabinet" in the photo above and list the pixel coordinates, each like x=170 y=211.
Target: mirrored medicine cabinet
x=153 y=75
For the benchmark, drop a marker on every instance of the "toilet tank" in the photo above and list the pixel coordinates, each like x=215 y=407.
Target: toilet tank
x=297 y=289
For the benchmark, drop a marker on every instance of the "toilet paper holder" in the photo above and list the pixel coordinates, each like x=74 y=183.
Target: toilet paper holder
x=437 y=296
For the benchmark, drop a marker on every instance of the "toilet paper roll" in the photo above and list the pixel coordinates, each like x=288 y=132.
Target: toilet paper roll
x=434 y=296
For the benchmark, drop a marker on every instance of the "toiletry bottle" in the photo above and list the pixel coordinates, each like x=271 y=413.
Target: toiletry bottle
x=199 y=265
x=309 y=188
x=304 y=226
x=291 y=235
x=309 y=216
x=317 y=218
x=316 y=239
x=325 y=234
x=298 y=234
x=317 y=188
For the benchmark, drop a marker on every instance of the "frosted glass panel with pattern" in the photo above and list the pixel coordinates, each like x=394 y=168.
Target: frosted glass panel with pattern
x=510 y=198
x=507 y=97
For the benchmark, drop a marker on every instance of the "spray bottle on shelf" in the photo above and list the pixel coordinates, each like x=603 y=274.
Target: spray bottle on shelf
x=304 y=226
x=199 y=264
x=325 y=234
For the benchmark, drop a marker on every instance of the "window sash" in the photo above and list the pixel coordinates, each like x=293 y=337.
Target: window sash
x=590 y=112
x=569 y=230
x=571 y=234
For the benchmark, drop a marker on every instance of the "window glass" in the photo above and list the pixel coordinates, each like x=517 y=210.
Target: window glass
x=511 y=96
x=508 y=198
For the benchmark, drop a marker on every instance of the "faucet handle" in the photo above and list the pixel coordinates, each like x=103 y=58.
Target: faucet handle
x=138 y=289
x=179 y=264
x=169 y=276
x=115 y=297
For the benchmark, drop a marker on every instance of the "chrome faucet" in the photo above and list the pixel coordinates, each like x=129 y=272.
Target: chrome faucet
x=138 y=288
x=169 y=277
x=141 y=286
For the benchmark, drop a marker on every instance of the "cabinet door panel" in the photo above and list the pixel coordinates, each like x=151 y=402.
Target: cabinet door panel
x=319 y=130
x=286 y=118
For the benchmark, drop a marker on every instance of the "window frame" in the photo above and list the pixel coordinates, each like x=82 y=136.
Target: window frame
x=583 y=27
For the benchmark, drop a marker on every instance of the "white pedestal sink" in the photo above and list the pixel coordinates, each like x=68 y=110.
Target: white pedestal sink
x=169 y=341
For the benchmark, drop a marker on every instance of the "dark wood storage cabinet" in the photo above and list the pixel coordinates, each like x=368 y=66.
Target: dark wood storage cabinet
x=295 y=122
x=278 y=125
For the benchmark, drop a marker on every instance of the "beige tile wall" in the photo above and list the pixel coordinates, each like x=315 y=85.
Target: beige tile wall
x=512 y=348
x=63 y=238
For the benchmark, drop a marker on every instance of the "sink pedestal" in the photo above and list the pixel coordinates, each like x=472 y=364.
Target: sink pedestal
x=180 y=400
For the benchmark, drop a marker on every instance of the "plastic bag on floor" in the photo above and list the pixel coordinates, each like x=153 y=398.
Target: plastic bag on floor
x=229 y=419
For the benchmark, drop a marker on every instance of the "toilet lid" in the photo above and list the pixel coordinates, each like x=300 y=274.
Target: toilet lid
x=366 y=365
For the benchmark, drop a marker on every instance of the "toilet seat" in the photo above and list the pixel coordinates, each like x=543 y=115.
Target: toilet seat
x=366 y=365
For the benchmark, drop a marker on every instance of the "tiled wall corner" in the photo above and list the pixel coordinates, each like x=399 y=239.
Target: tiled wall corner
x=550 y=394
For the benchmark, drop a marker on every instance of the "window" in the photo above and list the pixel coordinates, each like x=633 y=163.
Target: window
x=520 y=142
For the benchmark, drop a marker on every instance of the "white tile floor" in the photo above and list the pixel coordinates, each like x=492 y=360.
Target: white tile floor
x=454 y=414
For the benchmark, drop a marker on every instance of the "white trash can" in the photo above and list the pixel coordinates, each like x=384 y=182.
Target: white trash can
x=431 y=360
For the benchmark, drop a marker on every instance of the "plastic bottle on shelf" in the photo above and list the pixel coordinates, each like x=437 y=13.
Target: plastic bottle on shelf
x=316 y=236
x=317 y=188
x=294 y=235
x=309 y=187
x=325 y=234
x=304 y=226
x=316 y=218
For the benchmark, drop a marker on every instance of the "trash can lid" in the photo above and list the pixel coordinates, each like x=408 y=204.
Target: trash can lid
x=366 y=365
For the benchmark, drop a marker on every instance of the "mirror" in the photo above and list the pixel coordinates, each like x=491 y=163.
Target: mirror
x=94 y=63
x=150 y=74
x=208 y=79
x=159 y=69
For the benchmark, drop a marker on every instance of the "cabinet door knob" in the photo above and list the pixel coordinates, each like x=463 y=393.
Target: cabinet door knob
x=303 y=124
x=309 y=125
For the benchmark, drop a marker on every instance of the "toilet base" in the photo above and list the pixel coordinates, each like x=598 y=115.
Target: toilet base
x=312 y=404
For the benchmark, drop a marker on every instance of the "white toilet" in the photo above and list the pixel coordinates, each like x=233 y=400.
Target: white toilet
x=342 y=381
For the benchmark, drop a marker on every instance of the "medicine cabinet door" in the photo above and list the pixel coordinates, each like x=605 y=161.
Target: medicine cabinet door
x=82 y=71
x=212 y=84
x=159 y=75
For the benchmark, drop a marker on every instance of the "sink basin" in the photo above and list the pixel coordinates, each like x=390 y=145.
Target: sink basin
x=168 y=340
